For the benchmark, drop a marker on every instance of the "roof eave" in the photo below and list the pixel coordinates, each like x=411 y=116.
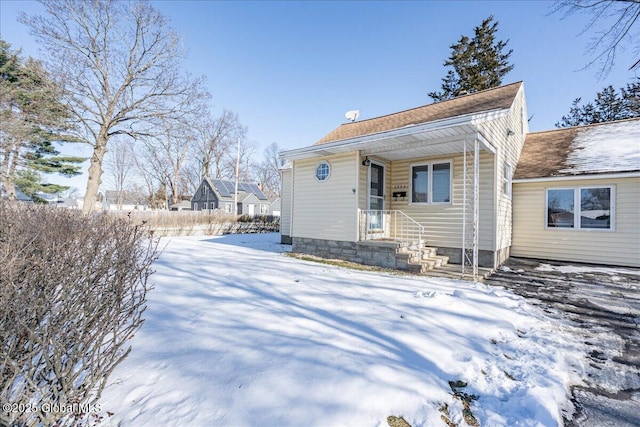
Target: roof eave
x=597 y=175
x=361 y=142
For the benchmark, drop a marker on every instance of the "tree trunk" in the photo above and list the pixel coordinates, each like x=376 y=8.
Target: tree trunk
x=6 y=177
x=95 y=174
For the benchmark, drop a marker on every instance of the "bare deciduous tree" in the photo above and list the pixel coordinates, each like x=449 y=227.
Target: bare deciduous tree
x=147 y=171
x=119 y=64
x=119 y=163
x=246 y=170
x=169 y=151
x=616 y=24
x=216 y=141
x=268 y=171
x=72 y=294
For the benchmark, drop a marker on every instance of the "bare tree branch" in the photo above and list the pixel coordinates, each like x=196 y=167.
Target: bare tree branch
x=615 y=25
x=120 y=65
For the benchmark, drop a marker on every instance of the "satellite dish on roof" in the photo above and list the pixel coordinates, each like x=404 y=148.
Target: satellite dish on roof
x=352 y=115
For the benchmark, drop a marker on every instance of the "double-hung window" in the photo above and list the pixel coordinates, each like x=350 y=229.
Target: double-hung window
x=583 y=208
x=431 y=182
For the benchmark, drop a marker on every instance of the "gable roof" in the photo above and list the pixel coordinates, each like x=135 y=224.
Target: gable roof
x=611 y=147
x=227 y=188
x=486 y=100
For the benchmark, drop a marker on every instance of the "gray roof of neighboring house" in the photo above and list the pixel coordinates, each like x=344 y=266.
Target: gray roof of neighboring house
x=21 y=196
x=227 y=188
x=611 y=147
x=490 y=99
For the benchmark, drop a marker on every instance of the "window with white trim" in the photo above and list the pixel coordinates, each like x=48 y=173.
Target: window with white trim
x=264 y=209
x=227 y=208
x=431 y=182
x=323 y=171
x=507 y=180
x=582 y=208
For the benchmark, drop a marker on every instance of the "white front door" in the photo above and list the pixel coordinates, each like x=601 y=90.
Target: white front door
x=376 y=201
x=252 y=210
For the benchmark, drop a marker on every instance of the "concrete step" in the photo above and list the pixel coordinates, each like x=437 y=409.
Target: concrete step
x=439 y=259
x=409 y=257
x=428 y=252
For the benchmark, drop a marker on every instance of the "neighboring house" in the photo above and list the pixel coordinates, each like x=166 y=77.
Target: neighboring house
x=576 y=195
x=20 y=196
x=251 y=205
x=217 y=194
x=275 y=206
x=125 y=201
x=376 y=191
x=184 y=205
x=70 y=203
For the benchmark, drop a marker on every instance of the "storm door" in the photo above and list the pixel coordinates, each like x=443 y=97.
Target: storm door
x=376 y=200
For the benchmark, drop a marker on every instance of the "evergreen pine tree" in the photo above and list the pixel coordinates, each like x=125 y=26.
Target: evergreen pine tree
x=479 y=63
x=609 y=105
x=32 y=119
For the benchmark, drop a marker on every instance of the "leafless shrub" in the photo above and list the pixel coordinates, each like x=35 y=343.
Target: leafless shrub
x=72 y=293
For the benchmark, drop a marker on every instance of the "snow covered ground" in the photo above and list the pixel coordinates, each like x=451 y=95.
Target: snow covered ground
x=239 y=334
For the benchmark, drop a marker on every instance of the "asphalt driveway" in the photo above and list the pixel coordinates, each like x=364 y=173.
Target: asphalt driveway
x=603 y=306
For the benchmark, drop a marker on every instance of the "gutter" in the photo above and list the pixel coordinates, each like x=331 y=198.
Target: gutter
x=578 y=177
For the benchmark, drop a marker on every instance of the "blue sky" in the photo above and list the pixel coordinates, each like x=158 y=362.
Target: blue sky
x=292 y=69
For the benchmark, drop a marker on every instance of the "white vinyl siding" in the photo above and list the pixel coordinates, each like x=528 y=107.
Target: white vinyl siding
x=285 y=203
x=618 y=246
x=443 y=221
x=325 y=209
x=508 y=148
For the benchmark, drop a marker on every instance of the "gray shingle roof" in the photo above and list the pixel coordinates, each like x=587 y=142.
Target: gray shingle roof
x=227 y=188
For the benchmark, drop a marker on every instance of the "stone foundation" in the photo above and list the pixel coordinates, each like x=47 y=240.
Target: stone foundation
x=382 y=254
x=285 y=240
x=379 y=254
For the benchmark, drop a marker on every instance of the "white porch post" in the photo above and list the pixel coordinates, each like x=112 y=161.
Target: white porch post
x=470 y=208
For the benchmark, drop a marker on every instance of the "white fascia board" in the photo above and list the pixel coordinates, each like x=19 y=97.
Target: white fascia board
x=360 y=142
x=484 y=142
x=578 y=177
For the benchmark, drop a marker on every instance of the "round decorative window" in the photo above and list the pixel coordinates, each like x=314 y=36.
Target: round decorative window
x=323 y=170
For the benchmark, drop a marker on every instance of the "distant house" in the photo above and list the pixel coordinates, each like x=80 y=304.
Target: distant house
x=463 y=181
x=275 y=206
x=70 y=203
x=20 y=196
x=576 y=195
x=125 y=201
x=217 y=194
x=184 y=205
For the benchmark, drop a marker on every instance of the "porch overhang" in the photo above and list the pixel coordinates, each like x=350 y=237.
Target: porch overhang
x=437 y=138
